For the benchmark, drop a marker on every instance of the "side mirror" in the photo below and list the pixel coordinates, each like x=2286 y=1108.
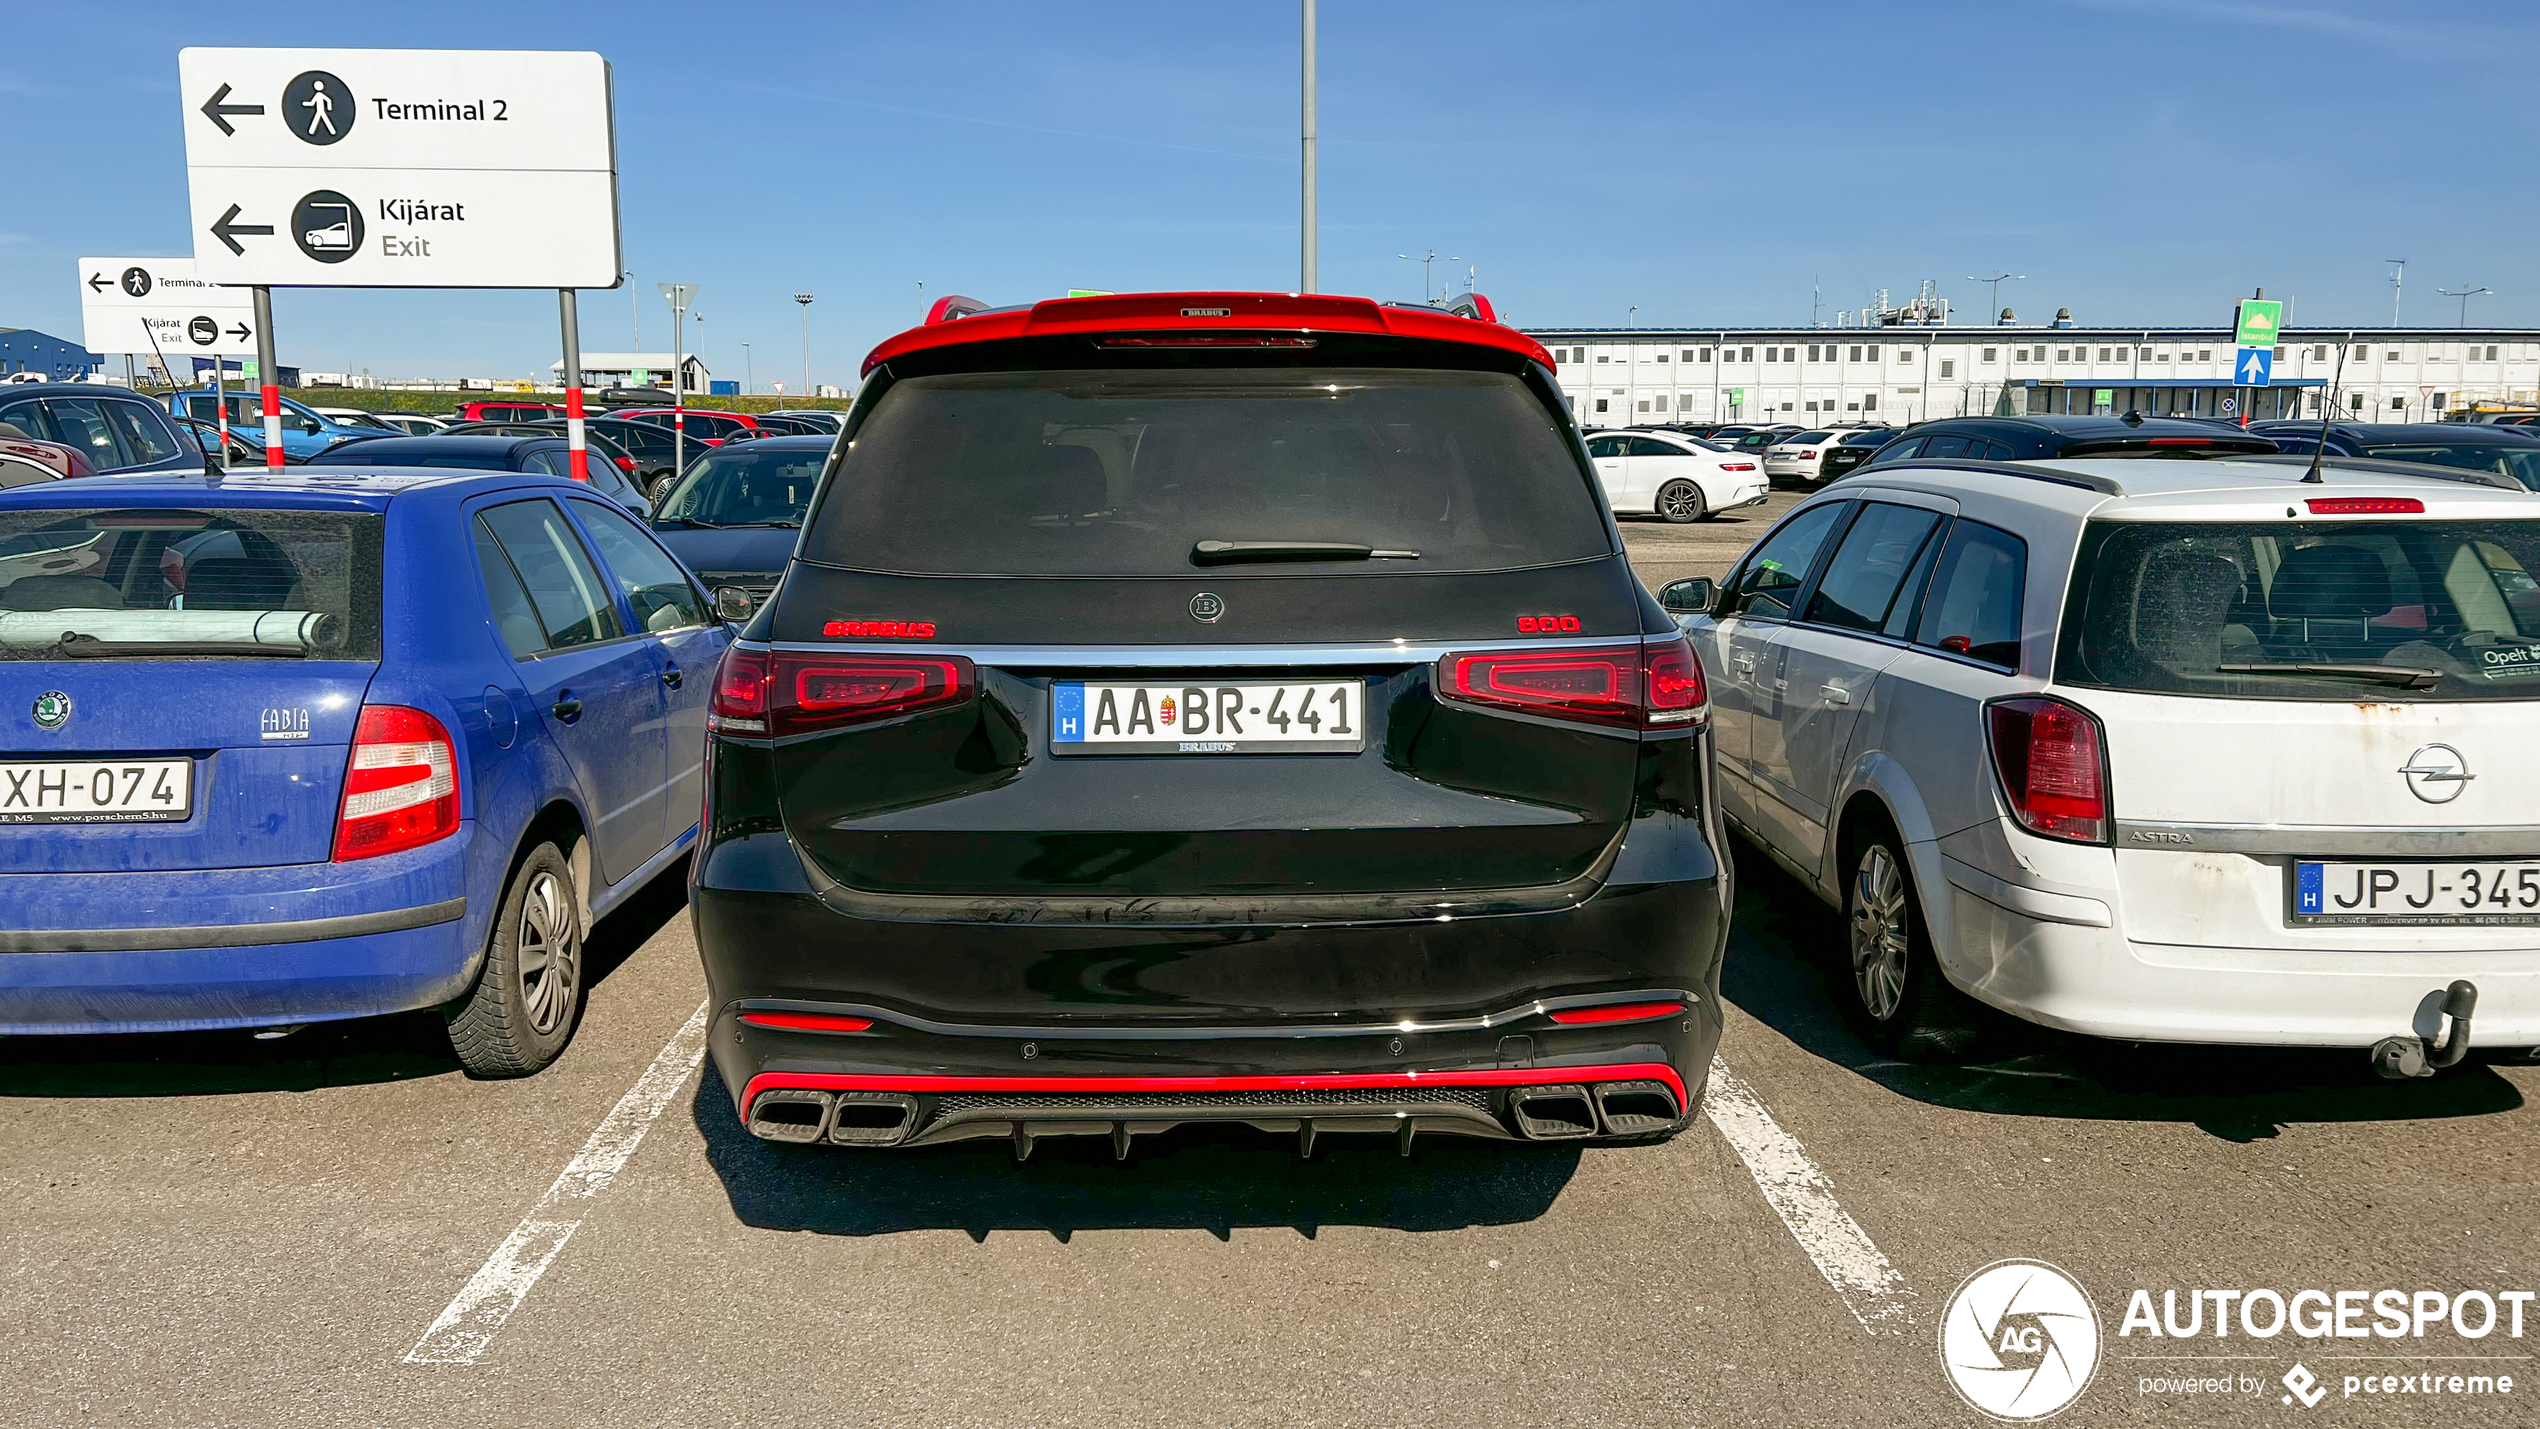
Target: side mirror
x=1689 y=597
x=733 y=603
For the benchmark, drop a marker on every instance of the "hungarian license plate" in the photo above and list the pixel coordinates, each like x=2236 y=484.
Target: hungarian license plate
x=2446 y=893
x=1239 y=717
x=107 y=791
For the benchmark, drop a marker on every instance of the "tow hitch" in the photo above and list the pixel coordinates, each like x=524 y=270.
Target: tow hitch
x=2400 y=1058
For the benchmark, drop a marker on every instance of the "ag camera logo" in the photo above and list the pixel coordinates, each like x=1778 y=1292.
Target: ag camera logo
x=2019 y=1341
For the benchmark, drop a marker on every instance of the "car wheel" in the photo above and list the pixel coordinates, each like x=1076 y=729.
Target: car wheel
x=1680 y=502
x=1898 y=992
x=528 y=996
x=659 y=489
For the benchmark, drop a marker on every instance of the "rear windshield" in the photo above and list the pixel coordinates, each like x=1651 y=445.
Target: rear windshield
x=2348 y=610
x=1123 y=472
x=746 y=485
x=212 y=584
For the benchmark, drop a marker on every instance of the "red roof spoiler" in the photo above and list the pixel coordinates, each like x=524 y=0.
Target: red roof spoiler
x=1471 y=319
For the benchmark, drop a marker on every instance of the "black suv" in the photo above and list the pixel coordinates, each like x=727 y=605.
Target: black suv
x=1210 y=707
x=2048 y=438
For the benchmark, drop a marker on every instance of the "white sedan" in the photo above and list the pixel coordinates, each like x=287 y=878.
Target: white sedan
x=1673 y=477
x=1804 y=456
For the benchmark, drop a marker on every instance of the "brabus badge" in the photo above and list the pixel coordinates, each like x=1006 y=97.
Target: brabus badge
x=52 y=710
x=1206 y=607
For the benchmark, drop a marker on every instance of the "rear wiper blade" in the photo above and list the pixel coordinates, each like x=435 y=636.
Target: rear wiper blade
x=739 y=525
x=89 y=647
x=2414 y=677
x=1221 y=553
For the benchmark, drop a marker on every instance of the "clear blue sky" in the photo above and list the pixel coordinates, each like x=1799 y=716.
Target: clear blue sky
x=2141 y=161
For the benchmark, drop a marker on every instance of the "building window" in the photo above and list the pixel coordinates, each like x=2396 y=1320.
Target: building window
x=2398 y=404
x=2439 y=403
x=2319 y=353
x=1812 y=357
x=1746 y=354
x=1873 y=351
x=1869 y=402
x=1948 y=368
x=1660 y=402
x=2019 y=354
x=1785 y=406
x=2107 y=354
x=2063 y=354
x=1687 y=354
x=1600 y=403
x=1991 y=352
x=2143 y=355
x=2491 y=352
x=1662 y=357
x=1856 y=352
x=1903 y=354
x=2394 y=354
x=2279 y=354
x=1601 y=357
x=2164 y=357
x=1644 y=404
x=2356 y=401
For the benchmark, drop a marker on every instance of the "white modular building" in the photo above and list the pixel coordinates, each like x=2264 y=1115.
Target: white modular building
x=1899 y=374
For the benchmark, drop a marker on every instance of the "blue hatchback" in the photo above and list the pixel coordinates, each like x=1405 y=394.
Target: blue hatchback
x=333 y=743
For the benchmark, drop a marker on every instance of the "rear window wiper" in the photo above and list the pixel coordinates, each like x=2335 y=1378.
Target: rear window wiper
x=2414 y=677
x=1224 y=553
x=743 y=525
x=89 y=647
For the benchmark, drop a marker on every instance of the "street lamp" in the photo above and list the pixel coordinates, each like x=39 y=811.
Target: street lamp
x=678 y=296
x=2398 y=280
x=1424 y=261
x=749 y=370
x=2464 y=294
x=635 y=305
x=1997 y=280
x=805 y=300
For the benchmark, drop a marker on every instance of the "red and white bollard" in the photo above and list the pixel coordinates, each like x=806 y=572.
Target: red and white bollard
x=573 y=434
x=273 y=427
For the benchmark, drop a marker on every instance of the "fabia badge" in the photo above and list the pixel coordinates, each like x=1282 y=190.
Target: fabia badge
x=52 y=710
x=2020 y=1341
x=1206 y=607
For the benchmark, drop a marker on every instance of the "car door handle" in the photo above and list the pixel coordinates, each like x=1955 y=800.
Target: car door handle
x=670 y=677
x=568 y=709
x=1744 y=661
x=1836 y=693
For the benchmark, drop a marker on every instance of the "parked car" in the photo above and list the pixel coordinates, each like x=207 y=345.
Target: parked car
x=770 y=424
x=548 y=454
x=355 y=417
x=1804 y=456
x=413 y=424
x=114 y=430
x=508 y=410
x=246 y=444
x=733 y=517
x=821 y=417
x=1419 y=843
x=1757 y=441
x=599 y=446
x=2166 y=752
x=1674 y=478
x=2045 y=438
x=28 y=461
x=305 y=433
x=337 y=742
x=2506 y=450
x=707 y=427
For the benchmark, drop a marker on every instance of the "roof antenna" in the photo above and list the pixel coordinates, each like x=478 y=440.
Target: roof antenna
x=2320 y=452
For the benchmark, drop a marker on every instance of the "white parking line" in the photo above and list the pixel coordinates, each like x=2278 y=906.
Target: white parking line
x=466 y=1329
x=1802 y=1196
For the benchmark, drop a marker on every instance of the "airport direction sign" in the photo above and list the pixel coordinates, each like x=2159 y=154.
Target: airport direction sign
x=401 y=168
x=2259 y=322
x=2254 y=366
x=157 y=306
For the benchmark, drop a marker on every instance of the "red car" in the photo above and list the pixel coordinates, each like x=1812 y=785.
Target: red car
x=508 y=411
x=711 y=428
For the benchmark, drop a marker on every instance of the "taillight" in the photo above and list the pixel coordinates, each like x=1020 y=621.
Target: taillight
x=808 y=1021
x=2053 y=766
x=2365 y=506
x=1655 y=684
x=401 y=786
x=775 y=694
x=1615 y=1012
x=1807 y=456
x=1737 y=466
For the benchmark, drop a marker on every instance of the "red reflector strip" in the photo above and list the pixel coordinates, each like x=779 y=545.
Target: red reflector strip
x=1207 y=342
x=2180 y=441
x=2365 y=506
x=1616 y=1012
x=1296 y=1082
x=808 y=1021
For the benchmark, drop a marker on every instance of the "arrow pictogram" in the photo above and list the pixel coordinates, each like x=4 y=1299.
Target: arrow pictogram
x=219 y=113
x=226 y=225
x=96 y=282
x=240 y=332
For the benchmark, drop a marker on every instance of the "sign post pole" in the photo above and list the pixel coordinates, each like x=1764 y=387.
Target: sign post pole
x=679 y=295
x=270 y=377
x=572 y=320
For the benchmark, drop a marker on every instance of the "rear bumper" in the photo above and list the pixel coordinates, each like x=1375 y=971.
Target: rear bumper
x=250 y=947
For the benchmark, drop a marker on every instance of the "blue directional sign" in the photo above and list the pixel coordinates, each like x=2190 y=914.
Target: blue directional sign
x=2254 y=367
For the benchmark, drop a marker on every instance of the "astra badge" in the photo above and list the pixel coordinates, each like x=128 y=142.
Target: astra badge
x=1206 y=607
x=2020 y=1341
x=52 y=710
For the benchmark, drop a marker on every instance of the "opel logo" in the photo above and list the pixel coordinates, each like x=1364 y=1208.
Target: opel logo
x=1207 y=606
x=2436 y=773
x=52 y=709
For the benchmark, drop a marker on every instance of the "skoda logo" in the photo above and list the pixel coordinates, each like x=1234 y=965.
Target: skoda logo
x=2436 y=773
x=1207 y=606
x=2019 y=1341
x=52 y=710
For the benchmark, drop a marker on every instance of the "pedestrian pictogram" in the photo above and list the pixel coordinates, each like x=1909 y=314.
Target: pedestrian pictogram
x=319 y=107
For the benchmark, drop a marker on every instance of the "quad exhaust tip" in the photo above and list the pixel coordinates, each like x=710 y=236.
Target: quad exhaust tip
x=1558 y=1113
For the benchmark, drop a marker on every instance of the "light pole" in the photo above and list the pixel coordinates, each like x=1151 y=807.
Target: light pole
x=678 y=296
x=635 y=305
x=1307 y=258
x=749 y=370
x=2464 y=294
x=1997 y=280
x=1631 y=319
x=805 y=300
x=1424 y=260
x=2398 y=279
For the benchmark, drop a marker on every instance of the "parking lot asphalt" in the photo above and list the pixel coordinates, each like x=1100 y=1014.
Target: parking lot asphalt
x=217 y=1231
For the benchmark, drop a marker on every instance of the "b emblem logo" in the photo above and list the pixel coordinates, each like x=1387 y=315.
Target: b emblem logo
x=52 y=709
x=1206 y=607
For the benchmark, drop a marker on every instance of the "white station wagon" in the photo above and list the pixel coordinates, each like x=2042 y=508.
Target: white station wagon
x=2179 y=751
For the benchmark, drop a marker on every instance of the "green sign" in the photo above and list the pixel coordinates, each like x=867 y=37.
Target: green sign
x=247 y=369
x=2103 y=396
x=1737 y=394
x=641 y=377
x=2258 y=322
x=1089 y=292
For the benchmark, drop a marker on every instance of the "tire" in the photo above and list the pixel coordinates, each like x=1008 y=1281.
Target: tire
x=660 y=487
x=528 y=997
x=1896 y=989
x=1680 y=502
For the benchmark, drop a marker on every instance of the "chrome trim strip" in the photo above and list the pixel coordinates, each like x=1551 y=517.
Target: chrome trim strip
x=1191 y=656
x=1284 y=1031
x=2343 y=841
x=228 y=935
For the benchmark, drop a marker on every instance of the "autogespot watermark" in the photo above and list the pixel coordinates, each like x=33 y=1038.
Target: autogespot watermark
x=2021 y=1341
